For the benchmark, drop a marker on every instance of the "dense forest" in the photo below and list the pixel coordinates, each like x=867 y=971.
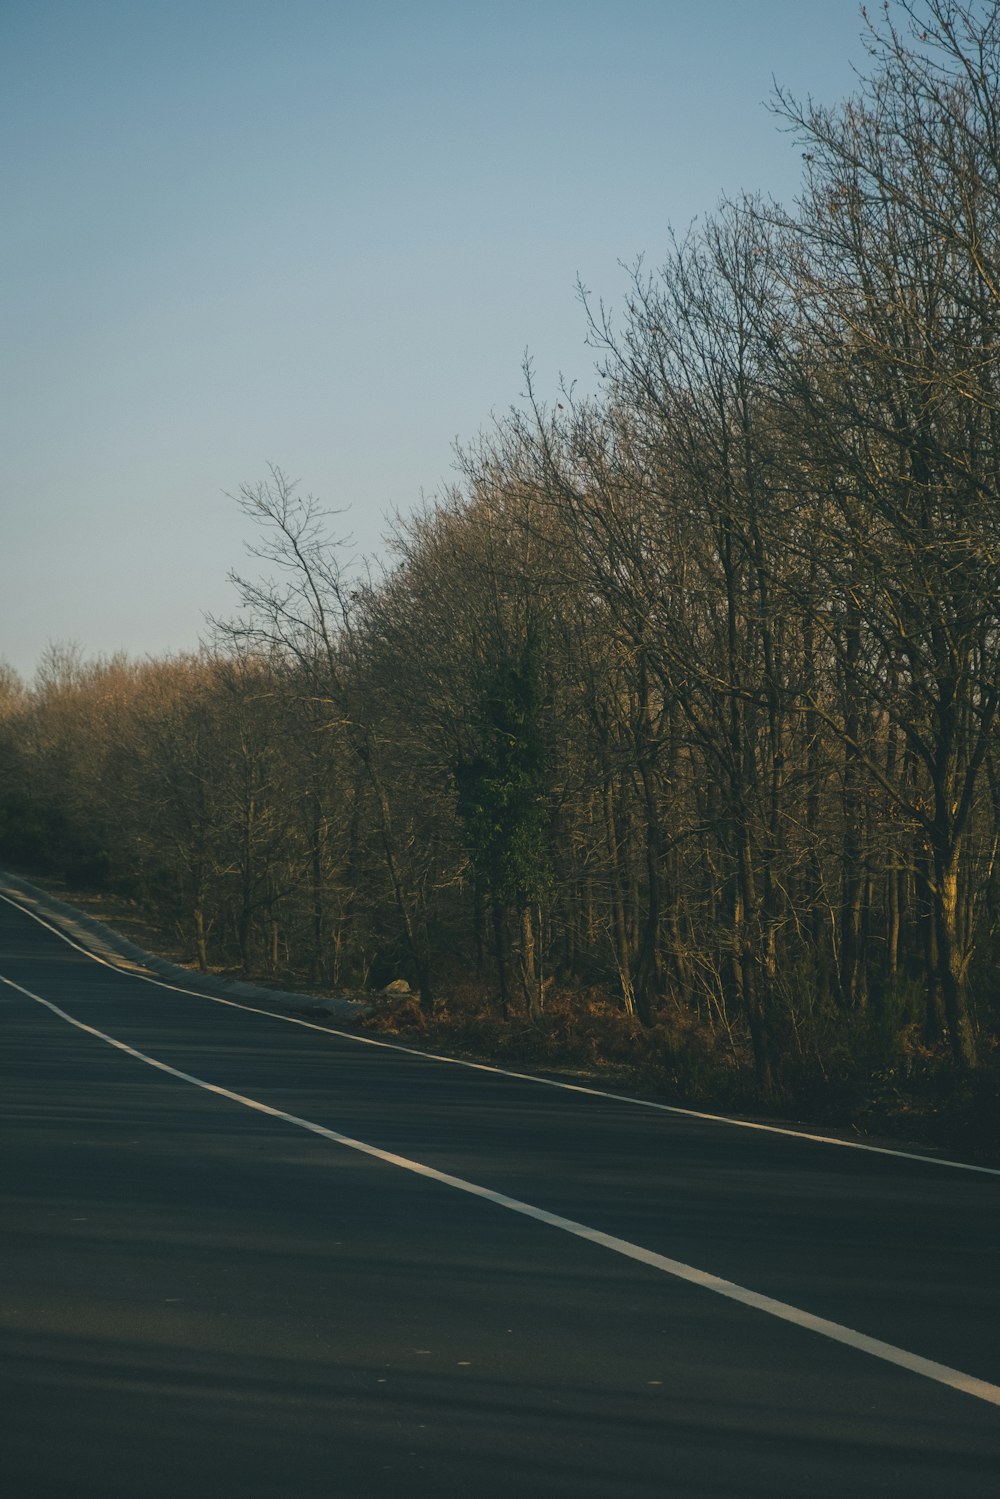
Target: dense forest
x=679 y=711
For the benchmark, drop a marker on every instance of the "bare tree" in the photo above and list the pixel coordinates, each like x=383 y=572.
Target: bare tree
x=303 y=611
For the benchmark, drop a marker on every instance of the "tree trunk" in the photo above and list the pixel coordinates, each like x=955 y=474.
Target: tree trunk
x=619 y=927
x=500 y=952
x=951 y=959
x=201 y=945
x=414 y=946
x=531 y=978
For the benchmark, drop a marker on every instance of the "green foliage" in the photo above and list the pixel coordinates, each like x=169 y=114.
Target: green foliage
x=503 y=791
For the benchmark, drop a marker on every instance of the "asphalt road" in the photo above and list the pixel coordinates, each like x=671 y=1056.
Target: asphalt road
x=199 y=1299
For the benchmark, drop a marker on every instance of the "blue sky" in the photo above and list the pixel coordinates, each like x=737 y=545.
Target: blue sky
x=323 y=235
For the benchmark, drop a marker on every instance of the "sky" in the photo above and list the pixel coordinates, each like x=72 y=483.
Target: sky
x=323 y=236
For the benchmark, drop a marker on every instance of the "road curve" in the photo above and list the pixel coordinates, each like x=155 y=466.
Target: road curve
x=246 y=1257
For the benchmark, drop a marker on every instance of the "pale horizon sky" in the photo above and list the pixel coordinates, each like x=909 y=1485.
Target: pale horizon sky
x=323 y=236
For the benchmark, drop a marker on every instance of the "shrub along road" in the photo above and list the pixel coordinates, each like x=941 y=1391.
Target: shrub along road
x=204 y=1298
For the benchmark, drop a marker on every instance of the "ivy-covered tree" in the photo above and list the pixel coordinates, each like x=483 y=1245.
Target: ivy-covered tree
x=504 y=806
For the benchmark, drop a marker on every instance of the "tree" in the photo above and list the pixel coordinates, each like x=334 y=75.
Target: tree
x=304 y=614
x=891 y=384
x=503 y=793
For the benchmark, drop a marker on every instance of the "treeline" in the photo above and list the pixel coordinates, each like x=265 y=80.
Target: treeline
x=686 y=694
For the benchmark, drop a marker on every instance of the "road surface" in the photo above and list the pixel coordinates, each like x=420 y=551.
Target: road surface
x=247 y=1257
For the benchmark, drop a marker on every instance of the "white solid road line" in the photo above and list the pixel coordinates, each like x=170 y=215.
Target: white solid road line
x=523 y=1077
x=966 y=1384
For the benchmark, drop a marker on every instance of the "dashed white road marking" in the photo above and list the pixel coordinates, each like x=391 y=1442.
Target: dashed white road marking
x=523 y=1077
x=966 y=1384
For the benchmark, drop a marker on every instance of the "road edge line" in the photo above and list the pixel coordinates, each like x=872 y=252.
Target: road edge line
x=913 y=1363
x=527 y=1077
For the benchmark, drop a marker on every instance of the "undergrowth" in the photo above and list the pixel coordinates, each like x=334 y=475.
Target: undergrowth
x=908 y=1092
